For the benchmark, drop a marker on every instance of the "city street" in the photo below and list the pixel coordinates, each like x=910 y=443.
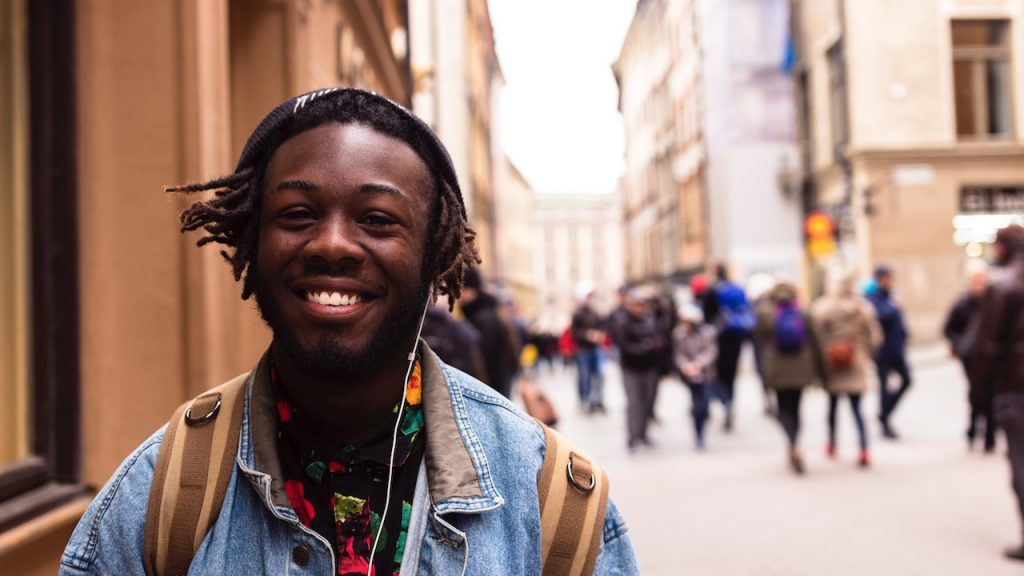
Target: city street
x=926 y=506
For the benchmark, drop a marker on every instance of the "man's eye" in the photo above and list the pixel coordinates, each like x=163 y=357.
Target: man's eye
x=297 y=214
x=378 y=220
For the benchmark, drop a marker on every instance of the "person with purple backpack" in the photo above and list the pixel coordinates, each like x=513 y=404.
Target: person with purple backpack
x=789 y=347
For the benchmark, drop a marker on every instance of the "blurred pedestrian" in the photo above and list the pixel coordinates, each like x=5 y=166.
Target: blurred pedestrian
x=892 y=355
x=726 y=307
x=546 y=346
x=617 y=316
x=790 y=359
x=588 y=334
x=959 y=330
x=847 y=334
x=567 y=347
x=694 y=350
x=641 y=346
x=998 y=353
x=699 y=289
x=759 y=288
x=455 y=341
x=497 y=345
x=665 y=315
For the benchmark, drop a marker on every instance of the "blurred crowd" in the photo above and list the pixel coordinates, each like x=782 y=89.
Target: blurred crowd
x=844 y=341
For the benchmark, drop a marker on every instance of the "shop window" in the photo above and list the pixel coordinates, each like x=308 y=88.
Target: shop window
x=39 y=467
x=981 y=79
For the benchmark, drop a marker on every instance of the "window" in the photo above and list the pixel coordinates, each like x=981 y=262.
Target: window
x=38 y=260
x=836 y=56
x=981 y=78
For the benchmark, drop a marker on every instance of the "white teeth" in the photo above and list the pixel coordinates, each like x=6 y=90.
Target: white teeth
x=333 y=298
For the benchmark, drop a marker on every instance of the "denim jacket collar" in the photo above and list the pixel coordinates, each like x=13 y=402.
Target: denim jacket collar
x=457 y=472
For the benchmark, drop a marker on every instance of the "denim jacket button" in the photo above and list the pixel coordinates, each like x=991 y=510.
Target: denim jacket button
x=300 y=555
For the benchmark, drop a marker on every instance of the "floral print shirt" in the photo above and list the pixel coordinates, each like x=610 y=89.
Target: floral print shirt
x=339 y=490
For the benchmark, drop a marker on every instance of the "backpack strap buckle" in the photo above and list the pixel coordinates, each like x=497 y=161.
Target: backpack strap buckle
x=208 y=405
x=575 y=482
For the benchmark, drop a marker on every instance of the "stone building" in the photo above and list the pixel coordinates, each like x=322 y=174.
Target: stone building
x=659 y=72
x=913 y=133
x=457 y=80
x=709 y=118
x=515 y=230
x=577 y=247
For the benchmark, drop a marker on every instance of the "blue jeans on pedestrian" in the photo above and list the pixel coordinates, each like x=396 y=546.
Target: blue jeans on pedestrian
x=701 y=399
x=588 y=371
x=888 y=400
x=833 y=405
x=719 y=391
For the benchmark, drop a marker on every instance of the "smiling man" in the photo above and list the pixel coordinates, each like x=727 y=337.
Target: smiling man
x=358 y=450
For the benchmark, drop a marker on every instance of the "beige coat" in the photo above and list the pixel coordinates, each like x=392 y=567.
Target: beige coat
x=845 y=315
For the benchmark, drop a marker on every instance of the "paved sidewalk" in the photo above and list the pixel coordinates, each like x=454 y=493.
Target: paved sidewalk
x=927 y=505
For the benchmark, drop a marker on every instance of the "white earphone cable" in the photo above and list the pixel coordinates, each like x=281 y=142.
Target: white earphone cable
x=394 y=436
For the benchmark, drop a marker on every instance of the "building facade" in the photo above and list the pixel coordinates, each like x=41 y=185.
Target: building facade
x=109 y=318
x=514 y=230
x=913 y=130
x=660 y=96
x=750 y=136
x=709 y=119
x=456 y=83
x=577 y=247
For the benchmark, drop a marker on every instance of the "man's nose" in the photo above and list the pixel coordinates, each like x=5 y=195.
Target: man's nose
x=335 y=241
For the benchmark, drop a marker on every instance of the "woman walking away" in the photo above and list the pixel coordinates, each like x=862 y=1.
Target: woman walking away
x=694 y=350
x=787 y=342
x=848 y=333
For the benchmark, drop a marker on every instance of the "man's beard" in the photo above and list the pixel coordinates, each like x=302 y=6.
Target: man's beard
x=323 y=358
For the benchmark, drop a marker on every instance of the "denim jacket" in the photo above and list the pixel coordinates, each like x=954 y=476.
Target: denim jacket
x=475 y=510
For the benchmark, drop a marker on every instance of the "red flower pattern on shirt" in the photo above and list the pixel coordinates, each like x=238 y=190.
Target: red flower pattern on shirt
x=296 y=494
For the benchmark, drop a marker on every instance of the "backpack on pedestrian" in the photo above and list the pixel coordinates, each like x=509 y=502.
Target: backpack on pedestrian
x=790 y=335
x=737 y=317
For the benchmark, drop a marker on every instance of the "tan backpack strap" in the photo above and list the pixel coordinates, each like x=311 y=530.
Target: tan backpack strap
x=573 y=494
x=191 y=477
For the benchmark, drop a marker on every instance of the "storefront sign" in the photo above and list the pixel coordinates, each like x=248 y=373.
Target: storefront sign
x=913 y=175
x=991 y=199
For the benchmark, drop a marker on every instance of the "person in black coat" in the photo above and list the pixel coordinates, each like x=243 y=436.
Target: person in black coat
x=500 y=351
x=642 y=345
x=455 y=341
x=959 y=330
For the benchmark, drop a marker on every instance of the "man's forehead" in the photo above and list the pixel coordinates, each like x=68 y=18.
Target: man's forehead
x=339 y=141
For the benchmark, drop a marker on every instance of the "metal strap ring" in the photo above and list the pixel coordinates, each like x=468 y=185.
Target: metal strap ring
x=582 y=488
x=208 y=417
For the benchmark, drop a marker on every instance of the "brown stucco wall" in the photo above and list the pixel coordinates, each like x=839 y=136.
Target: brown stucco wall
x=167 y=93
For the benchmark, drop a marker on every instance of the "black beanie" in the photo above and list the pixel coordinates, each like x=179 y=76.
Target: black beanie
x=280 y=124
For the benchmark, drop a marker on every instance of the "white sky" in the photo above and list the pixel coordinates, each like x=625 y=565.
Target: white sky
x=559 y=120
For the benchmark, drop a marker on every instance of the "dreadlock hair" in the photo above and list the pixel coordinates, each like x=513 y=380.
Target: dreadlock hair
x=231 y=217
